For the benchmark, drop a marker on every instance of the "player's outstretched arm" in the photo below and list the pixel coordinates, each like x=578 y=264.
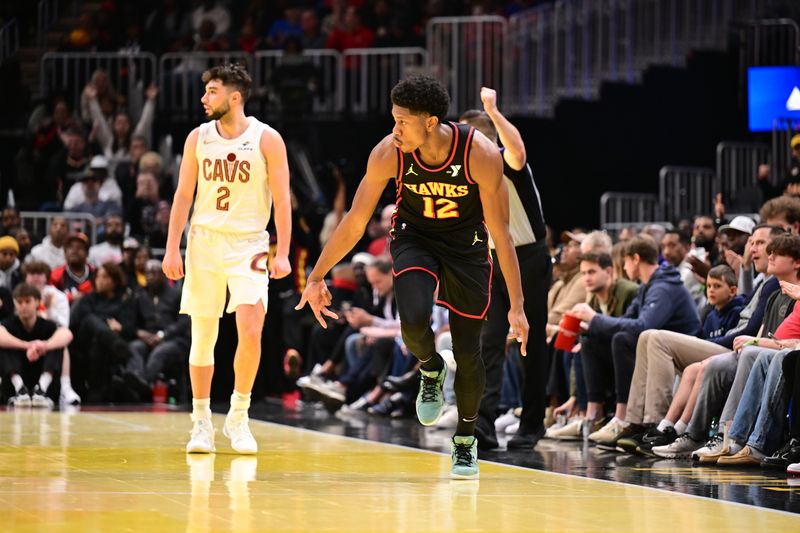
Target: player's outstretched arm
x=514 y=152
x=274 y=149
x=182 y=201
x=381 y=167
x=486 y=168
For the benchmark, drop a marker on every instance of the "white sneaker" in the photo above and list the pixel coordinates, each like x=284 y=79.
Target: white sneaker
x=237 y=429
x=69 y=397
x=571 y=431
x=682 y=448
x=21 y=398
x=505 y=420
x=202 y=437
x=449 y=418
x=609 y=433
x=512 y=429
x=715 y=448
x=39 y=399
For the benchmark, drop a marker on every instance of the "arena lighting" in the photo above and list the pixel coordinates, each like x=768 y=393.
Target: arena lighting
x=773 y=92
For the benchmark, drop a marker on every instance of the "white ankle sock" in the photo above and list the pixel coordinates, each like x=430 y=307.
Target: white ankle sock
x=664 y=424
x=201 y=408
x=240 y=401
x=66 y=383
x=16 y=380
x=45 y=380
x=680 y=427
x=622 y=423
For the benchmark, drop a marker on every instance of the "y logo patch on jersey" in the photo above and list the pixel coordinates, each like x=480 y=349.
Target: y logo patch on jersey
x=411 y=170
x=454 y=170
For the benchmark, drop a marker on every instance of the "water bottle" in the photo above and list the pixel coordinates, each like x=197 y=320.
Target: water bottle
x=714 y=429
x=159 y=391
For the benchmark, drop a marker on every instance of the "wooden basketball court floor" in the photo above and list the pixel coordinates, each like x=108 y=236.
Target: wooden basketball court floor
x=126 y=471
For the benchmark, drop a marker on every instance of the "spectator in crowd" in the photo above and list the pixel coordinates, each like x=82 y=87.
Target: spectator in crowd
x=109 y=190
x=725 y=376
x=157 y=237
x=568 y=290
x=11 y=221
x=734 y=236
x=353 y=35
x=9 y=262
x=100 y=89
x=661 y=303
x=55 y=307
x=51 y=249
x=167 y=350
x=311 y=36
x=675 y=246
x=789 y=178
x=136 y=258
x=115 y=137
x=215 y=12
x=76 y=276
x=92 y=204
x=783 y=211
x=336 y=19
x=166 y=27
x=142 y=212
x=380 y=245
x=83 y=37
x=104 y=322
x=65 y=169
x=23 y=239
x=597 y=242
x=282 y=29
x=608 y=296
x=127 y=169
x=110 y=250
x=32 y=349
x=788 y=456
x=657 y=362
x=249 y=40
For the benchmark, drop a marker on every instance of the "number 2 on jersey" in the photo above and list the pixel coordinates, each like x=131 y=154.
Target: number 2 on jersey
x=222 y=198
x=445 y=208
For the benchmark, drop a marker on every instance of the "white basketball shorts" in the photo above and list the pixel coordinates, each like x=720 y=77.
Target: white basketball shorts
x=217 y=261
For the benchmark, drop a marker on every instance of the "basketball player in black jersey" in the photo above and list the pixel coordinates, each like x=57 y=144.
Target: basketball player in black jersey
x=527 y=227
x=449 y=189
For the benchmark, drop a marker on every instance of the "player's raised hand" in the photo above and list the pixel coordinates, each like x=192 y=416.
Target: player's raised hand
x=172 y=265
x=280 y=267
x=519 y=328
x=489 y=99
x=319 y=298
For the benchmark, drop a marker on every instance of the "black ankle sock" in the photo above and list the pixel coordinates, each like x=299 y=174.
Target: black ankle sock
x=434 y=364
x=466 y=429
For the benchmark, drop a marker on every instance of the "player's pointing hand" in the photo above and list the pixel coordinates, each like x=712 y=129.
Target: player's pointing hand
x=318 y=297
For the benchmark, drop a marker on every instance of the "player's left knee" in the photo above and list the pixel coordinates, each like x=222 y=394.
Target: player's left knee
x=250 y=334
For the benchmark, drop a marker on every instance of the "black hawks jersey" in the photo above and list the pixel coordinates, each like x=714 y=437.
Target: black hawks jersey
x=439 y=199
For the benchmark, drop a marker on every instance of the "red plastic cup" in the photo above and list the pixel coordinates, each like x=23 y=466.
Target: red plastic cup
x=568 y=332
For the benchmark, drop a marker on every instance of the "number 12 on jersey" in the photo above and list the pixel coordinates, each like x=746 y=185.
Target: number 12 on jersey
x=444 y=208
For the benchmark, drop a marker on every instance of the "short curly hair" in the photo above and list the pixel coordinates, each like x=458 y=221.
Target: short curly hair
x=231 y=75
x=422 y=94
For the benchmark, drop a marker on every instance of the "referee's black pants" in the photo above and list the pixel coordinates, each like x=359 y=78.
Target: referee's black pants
x=536 y=272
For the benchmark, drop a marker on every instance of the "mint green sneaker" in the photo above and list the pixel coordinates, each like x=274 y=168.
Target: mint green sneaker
x=464 y=453
x=430 y=399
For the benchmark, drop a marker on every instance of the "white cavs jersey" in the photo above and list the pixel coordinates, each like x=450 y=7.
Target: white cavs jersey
x=233 y=193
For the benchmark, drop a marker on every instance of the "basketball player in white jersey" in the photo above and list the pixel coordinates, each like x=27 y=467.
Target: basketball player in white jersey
x=239 y=167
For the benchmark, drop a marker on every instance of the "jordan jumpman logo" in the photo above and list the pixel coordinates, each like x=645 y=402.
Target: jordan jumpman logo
x=411 y=170
x=476 y=240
